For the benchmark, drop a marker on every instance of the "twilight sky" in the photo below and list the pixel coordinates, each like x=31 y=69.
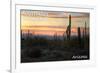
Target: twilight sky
x=51 y=22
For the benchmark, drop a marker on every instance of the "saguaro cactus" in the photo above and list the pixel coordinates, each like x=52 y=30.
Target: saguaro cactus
x=79 y=34
x=68 y=31
x=79 y=37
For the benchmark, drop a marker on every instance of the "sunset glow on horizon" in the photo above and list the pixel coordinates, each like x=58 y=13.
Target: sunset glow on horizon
x=51 y=22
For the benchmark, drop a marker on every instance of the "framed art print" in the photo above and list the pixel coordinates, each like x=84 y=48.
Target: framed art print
x=51 y=36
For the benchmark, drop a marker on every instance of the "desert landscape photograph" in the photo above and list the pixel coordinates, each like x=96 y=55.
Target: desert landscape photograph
x=54 y=36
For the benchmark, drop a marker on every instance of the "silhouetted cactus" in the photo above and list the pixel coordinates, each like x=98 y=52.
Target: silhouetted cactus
x=83 y=38
x=79 y=36
x=68 y=31
x=79 y=33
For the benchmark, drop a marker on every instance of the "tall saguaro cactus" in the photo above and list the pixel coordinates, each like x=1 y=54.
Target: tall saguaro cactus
x=79 y=33
x=79 y=37
x=68 y=31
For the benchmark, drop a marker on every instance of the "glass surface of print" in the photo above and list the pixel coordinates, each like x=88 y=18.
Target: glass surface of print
x=54 y=35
